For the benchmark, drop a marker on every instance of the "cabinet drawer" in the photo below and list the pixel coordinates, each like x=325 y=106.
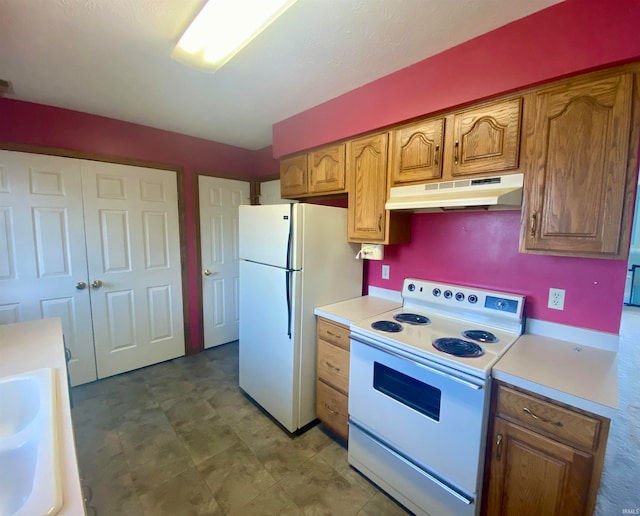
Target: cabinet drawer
x=570 y=426
x=332 y=409
x=334 y=333
x=333 y=365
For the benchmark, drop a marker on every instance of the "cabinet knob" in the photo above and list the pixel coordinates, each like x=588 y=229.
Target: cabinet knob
x=96 y=284
x=207 y=272
x=81 y=285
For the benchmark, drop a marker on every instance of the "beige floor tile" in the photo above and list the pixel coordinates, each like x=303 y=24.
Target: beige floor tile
x=206 y=437
x=185 y=495
x=187 y=409
x=235 y=477
x=273 y=502
x=317 y=488
x=115 y=496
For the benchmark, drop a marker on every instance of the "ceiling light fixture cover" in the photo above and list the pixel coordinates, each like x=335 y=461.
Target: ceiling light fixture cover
x=223 y=27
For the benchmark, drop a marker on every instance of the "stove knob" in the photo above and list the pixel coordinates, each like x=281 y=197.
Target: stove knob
x=436 y=292
x=411 y=287
x=448 y=294
x=501 y=304
x=472 y=298
x=459 y=296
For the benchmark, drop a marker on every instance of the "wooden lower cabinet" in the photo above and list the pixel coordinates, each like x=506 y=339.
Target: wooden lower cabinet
x=332 y=386
x=542 y=457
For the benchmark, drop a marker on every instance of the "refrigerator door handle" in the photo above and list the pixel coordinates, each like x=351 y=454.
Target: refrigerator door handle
x=288 y=289
x=290 y=238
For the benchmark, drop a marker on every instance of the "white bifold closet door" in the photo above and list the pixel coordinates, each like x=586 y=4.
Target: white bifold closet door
x=97 y=245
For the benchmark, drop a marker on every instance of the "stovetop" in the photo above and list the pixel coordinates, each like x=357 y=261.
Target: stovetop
x=451 y=310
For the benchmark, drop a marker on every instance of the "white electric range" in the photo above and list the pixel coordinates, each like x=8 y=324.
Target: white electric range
x=419 y=392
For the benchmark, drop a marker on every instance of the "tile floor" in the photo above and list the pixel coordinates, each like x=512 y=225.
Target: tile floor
x=179 y=438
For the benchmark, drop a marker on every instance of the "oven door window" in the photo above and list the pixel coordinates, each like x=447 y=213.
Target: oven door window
x=407 y=390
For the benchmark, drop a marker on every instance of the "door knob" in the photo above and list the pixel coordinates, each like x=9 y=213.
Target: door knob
x=81 y=285
x=96 y=284
x=207 y=272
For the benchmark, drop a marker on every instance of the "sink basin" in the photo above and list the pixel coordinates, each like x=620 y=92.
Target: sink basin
x=29 y=468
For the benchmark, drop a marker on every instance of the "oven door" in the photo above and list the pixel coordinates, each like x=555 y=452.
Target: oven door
x=427 y=414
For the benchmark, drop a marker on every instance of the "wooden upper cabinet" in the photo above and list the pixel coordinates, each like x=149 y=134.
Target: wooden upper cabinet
x=416 y=152
x=293 y=176
x=486 y=138
x=578 y=182
x=327 y=169
x=367 y=172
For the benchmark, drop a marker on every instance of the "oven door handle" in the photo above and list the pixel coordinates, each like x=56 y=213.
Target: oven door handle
x=431 y=368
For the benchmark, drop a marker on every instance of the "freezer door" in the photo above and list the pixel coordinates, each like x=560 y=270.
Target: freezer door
x=267 y=234
x=269 y=357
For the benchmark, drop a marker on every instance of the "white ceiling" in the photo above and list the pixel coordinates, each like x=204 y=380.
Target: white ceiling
x=112 y=57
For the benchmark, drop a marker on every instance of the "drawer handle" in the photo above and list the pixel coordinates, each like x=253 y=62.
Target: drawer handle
x=544 y=420
x=331 y=366
x=499 y=447
x=534 y=224
x=334 y=412
x=334 y=334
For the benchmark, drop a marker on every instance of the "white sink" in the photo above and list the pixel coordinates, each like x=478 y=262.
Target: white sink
x=30 y=482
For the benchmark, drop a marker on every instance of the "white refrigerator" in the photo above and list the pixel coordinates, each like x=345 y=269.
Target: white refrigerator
x=293 y=258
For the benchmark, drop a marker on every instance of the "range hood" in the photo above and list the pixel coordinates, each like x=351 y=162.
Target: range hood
x=489 y=193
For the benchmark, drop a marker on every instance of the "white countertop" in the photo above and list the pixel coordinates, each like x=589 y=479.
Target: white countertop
x=581 y=376
x=346 y=312
x=39 y=344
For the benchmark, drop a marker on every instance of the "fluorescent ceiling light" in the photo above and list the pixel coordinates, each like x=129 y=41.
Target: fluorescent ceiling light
x=223 y=27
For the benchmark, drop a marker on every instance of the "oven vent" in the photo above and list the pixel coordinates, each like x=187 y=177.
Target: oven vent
x=493 y=193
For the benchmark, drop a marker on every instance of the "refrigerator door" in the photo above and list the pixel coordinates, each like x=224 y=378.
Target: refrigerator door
x=269 y=340
x=267 y=234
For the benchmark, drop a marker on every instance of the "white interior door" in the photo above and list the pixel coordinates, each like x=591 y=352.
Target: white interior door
x=43 y=264
x=132 y=234
x=219 y=201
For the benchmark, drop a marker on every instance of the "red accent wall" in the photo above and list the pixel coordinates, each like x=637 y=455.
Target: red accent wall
x=565 y=39
x=36 y=124
x=480 y=249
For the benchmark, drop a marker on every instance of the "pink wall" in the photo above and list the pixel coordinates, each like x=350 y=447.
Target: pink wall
x=481 y=249
x=36 y=124
x=565 y=39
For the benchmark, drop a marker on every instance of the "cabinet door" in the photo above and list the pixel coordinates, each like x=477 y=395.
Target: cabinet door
x=576 y=193
x=293 y=176
x=327 y=169
x=486 y=139
x=532 y=475
x=366 y=164
x=416 y=152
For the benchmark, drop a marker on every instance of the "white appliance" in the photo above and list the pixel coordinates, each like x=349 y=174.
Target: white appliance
x=293 y=258
x=491 y=193
x=417 y=413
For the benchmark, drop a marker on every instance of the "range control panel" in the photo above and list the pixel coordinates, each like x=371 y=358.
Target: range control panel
x=447 y=296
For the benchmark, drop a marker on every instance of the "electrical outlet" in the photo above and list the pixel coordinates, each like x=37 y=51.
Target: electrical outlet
x=385 y=272
x=556 y=298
